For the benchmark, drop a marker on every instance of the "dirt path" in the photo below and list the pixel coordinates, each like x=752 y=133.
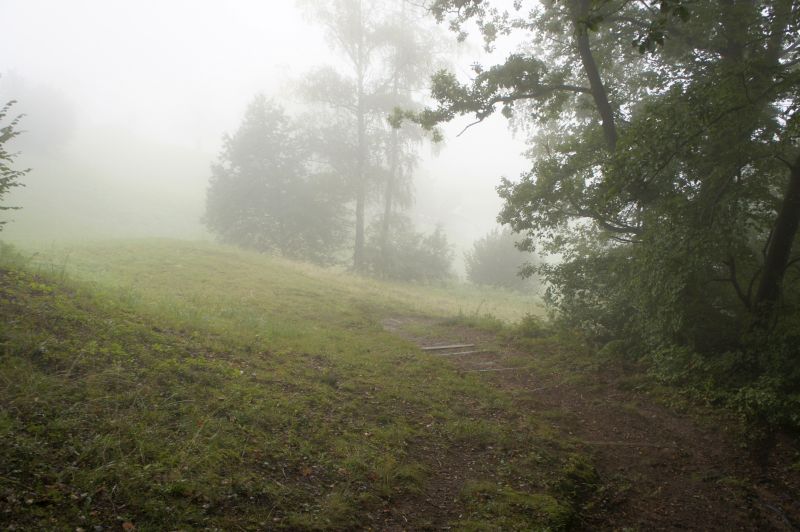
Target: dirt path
x=661 y=470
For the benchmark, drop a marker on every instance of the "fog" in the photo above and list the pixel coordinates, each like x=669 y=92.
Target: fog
x=126 y=105
x=241 y=288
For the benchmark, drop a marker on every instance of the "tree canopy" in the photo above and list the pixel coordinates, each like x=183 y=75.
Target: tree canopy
x=408 y=255
x=266 y=195
x=495 y=260
x=387 y=52
x=665 y=169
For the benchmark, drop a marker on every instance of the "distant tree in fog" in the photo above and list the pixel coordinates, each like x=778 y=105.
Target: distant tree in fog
x=387 y=57
x=9 y=176
x=412 y=255
x=353 y=28
x=265 y=195
x=495 y=260
x=410 y=41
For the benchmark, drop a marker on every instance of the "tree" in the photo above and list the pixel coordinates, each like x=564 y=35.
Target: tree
x=9 y=176
x=265 y=195
x=665 y=173
x=412 y=256
x=354 y=27
x=495 y=260
x=388 y=57
x=410 y=45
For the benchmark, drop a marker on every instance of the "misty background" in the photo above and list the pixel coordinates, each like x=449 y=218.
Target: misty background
x=126 y=105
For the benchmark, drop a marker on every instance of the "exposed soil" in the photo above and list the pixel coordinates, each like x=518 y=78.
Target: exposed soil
x=659 y=469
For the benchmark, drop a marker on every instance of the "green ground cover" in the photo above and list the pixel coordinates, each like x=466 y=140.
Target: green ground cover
x=171 y=385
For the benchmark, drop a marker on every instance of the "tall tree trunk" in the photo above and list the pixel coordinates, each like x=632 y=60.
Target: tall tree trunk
x=361 y=191
x=358 y=251
x=581 y=14
x=361 y=178
x=394 y=170
x=786 y=224
x=394 y=157
x=780 y=247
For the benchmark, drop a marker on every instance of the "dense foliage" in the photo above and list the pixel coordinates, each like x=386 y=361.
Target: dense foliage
x=408 y=255
x=495 y=260
x=265 y=194
x=666 y=173
x=9 y=176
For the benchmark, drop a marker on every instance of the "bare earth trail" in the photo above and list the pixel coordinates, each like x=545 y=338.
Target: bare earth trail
x=659 y=470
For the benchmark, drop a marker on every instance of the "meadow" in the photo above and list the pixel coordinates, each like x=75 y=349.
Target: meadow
x=163 y=385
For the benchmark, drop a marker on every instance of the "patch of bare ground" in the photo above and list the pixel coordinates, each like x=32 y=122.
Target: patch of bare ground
x=439 y=506
x=659 y=469
x=450 y=467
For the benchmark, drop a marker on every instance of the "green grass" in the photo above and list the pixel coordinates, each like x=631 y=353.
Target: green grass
x=176 y=386
x=124 y=263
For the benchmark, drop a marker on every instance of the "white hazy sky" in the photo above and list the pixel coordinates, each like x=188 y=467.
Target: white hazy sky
x=180 y=72
x=174 y=70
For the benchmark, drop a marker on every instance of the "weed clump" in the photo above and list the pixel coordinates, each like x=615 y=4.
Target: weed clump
x=510 y=509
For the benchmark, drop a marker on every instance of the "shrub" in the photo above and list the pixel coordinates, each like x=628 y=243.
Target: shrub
x=494 y=260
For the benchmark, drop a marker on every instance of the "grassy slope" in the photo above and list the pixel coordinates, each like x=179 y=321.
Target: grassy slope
x=175 y=385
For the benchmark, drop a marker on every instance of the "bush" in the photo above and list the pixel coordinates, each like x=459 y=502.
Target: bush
x=265 y=195
x=531 y=326
x=495 y=261
x=409 y=255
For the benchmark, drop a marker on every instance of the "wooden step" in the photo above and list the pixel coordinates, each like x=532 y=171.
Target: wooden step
x=444 y=347
x=489 y=369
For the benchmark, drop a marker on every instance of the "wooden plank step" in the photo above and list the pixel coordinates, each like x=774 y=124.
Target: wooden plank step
x=491 y=369
x=443 y=347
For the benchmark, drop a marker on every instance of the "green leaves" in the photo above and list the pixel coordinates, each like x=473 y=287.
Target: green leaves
x=264 y=194
x=520 y=78
x=9 y=176
x=495 y=260
x=661 y=232
x=670 y=12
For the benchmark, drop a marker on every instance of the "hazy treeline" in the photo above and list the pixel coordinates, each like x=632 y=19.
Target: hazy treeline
x=107 y=163
x=495 y=260
x=335 y=177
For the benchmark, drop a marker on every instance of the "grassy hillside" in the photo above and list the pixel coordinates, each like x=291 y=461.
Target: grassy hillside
x=148 y=265
x=165 y=385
